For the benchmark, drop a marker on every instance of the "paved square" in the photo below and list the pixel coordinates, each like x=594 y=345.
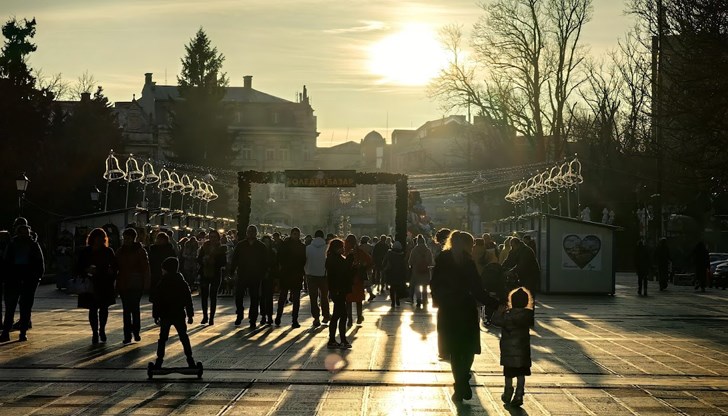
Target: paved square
x=593 y=355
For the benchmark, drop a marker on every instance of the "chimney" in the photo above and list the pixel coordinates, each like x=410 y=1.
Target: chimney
x=147 y=78
x=85 y=96
x=248 y=82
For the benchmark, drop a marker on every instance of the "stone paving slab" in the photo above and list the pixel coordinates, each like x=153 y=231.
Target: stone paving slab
x=592 y=355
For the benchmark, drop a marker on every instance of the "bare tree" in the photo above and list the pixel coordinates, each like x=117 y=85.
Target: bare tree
x=85 y=84
x=53 y=83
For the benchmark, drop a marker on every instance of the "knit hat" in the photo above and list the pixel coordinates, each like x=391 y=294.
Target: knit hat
x=397 y=245
x=170 y=265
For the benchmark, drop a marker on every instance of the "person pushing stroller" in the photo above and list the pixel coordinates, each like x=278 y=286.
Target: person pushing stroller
x=172 y=303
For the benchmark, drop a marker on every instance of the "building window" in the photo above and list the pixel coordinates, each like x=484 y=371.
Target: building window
x=270 y=154
x=247 y=153
x=283 y=154
x=275 y=117
x=237 y=116
x=306 y=155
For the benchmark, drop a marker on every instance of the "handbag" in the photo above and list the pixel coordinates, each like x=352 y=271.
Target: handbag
x=80 y=285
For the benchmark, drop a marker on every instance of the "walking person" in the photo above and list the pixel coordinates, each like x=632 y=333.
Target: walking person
x=158 y=252
x=292 y=259
x=24 y=266
x=456 y=289
x=365 y=246
x=362 y=262
x=170 y=310
x=5 y=239
x=701 y=261
x=522 y=261
x=339 y=273
x=420 y=260
x=133 y=264
x=97 y=262
x=266 y=286
x=395 y=273
x=378 y=252
x=318 y=287
x=189 y=260
x=515 y=322
x=211 y=260
x=642 y=266
x=662 y=256
x=250 y=260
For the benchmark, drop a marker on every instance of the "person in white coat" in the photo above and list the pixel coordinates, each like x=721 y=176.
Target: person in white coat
x=315 y=269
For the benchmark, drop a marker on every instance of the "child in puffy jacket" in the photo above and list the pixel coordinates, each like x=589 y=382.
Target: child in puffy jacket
x=170 y=308
x=515 y=321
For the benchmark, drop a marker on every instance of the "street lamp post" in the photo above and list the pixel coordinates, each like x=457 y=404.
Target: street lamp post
x=95 y=196
x=21 y=184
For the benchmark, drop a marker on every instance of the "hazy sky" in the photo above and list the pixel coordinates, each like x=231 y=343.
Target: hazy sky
x=351 y=54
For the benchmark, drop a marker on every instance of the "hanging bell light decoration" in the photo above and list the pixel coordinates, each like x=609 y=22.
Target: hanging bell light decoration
x=175 y=187
x=112 y=173
x=187 y=189
x=133 y=174
x=165 y=184
x=148 y=178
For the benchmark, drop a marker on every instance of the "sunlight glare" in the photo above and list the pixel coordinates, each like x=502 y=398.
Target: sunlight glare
x=412 y=56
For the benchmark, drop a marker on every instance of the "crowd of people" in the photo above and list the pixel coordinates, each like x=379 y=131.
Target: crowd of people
x=459 y=272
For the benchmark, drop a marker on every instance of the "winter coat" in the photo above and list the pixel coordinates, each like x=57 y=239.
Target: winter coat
x=420 y=260
x=522 y=260
x=316 y=258
x=515 y=341
x=339 y=274
x=157 y=254
x=133 y=269
x=292 y=260
x=456 y=290
x=395 y=268
x=211 y=260
x=102 y=279
x=361 y=262
x=23 y=261
x=250 y=261
x=642 y=260
x=662 y=255
x=175 y=298
x=378 y=253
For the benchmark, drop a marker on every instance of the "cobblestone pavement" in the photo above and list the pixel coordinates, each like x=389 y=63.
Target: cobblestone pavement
x=593 y=355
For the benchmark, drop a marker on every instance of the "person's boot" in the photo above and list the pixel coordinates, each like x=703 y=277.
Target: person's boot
x=212 y=319
x=158 y=363
x=295 y=324
x=507 y=395
x=518 y=398
x=22 y=336
x=4 y=337
x=95 y=338
x=102 y=335
x=191 y=362
x=278 y=320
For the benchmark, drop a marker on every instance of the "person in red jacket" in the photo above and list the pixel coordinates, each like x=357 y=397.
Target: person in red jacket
x=170 y=310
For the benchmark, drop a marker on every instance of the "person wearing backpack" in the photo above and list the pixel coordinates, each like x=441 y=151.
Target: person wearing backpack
x=420 y=260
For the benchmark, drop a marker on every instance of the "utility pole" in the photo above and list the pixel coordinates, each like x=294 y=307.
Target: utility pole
x=657 y=112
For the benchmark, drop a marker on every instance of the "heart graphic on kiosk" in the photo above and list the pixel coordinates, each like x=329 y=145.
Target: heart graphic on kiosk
x=582 y=250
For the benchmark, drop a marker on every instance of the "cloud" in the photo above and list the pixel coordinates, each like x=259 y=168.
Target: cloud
x=368 y=26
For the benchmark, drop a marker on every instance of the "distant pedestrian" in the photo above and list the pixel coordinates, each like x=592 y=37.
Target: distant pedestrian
x=133 y=264
x=24 y=266
x=506 y=250
x=642 y=267
x=160 y=250
x=362 y=262
x=266 y=286
x=378 y=252
x=318 y=287
x=420 y=260
x=4 y=269
x=663 y=259
x=170 y=310
x=97 y=262
x=522 y=262
x=339 y=273
x=701 y=261
x=292 y=259
x=250 y=261
x=188 y=260
x=515 y=343
x=211 y=260
x=456 y=290
x=395 y=273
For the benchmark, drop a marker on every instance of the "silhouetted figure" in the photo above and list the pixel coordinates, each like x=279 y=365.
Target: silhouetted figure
x=318 y=286
x=642 y=267
x=378 y=252
x=515 y=321
x=339 y=273
x=456 y=290
x=522 y=260
x=395 y=273
x=701 y=260
x=133 y=264
x=211 y=260
x=24 y=264
x=292 y=259
x=266 y=286
x=160 y=250
x=362 y=262
x=420 y=260
x=662 y=256
x=97 y=262
x=250 y=260
x=170 y=310
x=4 y=270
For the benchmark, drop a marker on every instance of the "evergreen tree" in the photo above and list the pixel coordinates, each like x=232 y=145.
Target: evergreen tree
x=199 y=131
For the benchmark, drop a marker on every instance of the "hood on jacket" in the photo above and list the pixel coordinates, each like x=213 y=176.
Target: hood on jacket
x=318 y=242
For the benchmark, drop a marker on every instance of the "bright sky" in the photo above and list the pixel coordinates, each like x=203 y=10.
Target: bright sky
x=365 y=62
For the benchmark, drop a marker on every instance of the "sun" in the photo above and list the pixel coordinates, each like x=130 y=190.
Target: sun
x=412 y=56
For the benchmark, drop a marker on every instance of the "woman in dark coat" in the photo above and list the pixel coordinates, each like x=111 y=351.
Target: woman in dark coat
x=456 y=290
x=97 y=262
x=133 y=272
x=340 y=276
